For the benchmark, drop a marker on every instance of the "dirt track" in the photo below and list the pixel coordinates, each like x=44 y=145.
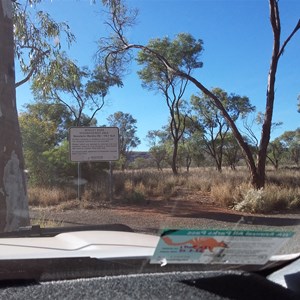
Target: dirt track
x=154 y=215
x=146 y=222
x=174 y=214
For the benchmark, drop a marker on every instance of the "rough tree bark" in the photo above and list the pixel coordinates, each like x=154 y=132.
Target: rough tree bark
x=13 y=197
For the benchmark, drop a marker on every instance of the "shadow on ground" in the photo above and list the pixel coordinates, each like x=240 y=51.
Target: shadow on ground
x=246 y=219
x=198 y=209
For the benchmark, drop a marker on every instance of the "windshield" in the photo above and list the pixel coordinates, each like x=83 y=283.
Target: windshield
x=158 y=115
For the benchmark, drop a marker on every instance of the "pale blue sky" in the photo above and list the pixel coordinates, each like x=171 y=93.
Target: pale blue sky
x=237 y=40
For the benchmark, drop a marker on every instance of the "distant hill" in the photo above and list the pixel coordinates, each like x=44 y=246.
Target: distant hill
x=133 y=155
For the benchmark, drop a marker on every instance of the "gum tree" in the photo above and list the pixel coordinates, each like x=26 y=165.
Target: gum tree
x=276 y=152
x=214 y=125
x=291 y=141
x=37 y=38
x=13 y=195
x=77 y=88
x=117 y=52
x=30 y=39
x=183 y=52
x=32 y=45
x=127 y=134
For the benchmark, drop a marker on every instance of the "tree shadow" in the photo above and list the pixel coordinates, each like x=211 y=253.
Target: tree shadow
x=243 y=219
x=196 y=209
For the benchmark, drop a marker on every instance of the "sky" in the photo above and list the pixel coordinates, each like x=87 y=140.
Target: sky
x=237 y=40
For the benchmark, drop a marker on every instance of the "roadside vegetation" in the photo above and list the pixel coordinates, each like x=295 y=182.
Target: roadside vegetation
x=206 y=131
x=229 y=189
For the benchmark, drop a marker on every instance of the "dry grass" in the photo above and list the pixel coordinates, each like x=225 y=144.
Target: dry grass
x=45 y=222
x=224 y=194
x=136 y=186
x=41 y=196
x=289 y=178
x=229 y=189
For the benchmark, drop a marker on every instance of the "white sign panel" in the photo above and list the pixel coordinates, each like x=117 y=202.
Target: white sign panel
x=94 y=144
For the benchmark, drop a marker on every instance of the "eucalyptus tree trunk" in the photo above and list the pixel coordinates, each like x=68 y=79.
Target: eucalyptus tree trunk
x=174 y=157
x=278 y=49
x=13 y=197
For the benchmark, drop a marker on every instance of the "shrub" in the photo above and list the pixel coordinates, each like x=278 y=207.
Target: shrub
x=253 y=201
x=271 y=198
x=135 y=198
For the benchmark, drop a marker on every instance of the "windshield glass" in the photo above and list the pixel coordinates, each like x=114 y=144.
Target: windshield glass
x=152 y=114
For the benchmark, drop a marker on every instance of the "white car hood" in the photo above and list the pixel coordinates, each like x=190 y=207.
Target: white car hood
x=94 y=244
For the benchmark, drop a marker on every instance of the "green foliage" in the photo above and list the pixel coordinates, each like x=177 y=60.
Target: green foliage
x=38 y=136
x=276 y=151
x=121 y=163
x=210 y=116
x=158 y=154
x=156 y=141
x=54 y=114
x=117 y=50
x=211 y=122
x=183 y=54
x=183 y=51
x=135 y=198
x=37 y=38
x=140 y=163
x=58 y=167
x=127 y=133
x=44 y=128
x=100 y=82
x=291 y=141
x=77 y=88
x=156 y=137
x=231 y=151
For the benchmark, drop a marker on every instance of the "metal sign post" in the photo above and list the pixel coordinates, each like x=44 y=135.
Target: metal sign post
x=78 y=181
x=110 y=182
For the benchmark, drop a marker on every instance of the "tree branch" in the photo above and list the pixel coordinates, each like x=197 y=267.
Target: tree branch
x=297 y=27
x=33 y=68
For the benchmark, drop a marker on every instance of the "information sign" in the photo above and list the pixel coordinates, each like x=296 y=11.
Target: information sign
x=88 y=144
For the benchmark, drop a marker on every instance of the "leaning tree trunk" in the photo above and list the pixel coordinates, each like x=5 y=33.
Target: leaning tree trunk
x=13 y=197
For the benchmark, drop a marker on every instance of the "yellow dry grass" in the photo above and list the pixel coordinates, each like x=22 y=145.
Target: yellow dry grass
x=229 y=188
